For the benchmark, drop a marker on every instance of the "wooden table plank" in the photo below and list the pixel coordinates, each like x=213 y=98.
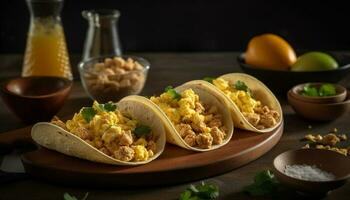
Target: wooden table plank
x=168 y=69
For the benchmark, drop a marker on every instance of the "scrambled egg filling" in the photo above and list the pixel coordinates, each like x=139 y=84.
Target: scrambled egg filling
x=259 y=116
x=241 y=98
x=197 y=125
x=111 y=132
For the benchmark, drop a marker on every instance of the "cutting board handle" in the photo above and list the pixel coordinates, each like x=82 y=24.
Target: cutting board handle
x=15 y=138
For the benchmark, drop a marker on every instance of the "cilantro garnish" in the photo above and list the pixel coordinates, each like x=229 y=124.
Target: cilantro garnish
x=167 y=88
x=203 y=191
x=264 y=184
x=325 y=90
x=88 y=113
x=67 y=196
x=142 y=130
x=240 y=85
x=109 y=107
x=209 y=79
x=172 y=92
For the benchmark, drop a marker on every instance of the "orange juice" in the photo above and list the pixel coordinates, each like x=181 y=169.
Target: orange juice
x=46 y=52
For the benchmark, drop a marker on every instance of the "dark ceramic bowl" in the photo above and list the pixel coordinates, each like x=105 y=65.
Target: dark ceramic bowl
x=339 y=97
x=281 y=81
x=36 y=98
x=332 y=162
x=318 y=111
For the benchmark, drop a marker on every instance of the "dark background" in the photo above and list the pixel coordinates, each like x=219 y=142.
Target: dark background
x=194 y=25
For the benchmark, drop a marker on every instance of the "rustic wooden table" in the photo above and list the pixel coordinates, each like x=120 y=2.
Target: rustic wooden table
x=168 y=69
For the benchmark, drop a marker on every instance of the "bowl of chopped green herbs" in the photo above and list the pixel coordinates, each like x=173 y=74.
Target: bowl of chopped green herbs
x=318 y=111
x=319 y=92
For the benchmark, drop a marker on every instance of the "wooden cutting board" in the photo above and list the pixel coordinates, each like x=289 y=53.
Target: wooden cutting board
x=175 y=165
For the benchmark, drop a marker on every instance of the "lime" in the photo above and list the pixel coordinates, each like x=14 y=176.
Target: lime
x=315 y=61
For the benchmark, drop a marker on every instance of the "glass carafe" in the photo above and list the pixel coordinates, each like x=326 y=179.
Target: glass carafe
x=46 y=52
x=102 y=35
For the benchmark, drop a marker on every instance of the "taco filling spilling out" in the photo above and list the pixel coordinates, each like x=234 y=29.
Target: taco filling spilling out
x=104 y=127
x=199 y=125
x=257 y=114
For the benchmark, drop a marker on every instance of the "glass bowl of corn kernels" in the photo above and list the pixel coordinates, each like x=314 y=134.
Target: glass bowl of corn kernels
x=110 y=78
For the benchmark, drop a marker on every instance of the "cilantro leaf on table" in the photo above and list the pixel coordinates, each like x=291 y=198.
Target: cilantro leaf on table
x=264 y=184
x=142 y=130
x=185 y=195
x=209 y=79
x=264 y=176
x=203 y=191
x=88 y=113
x=67 y=196
x=172 y=92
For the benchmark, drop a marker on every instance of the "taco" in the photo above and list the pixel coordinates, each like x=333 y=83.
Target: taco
x=195 y=118
x=127 y=133
x=253 y=106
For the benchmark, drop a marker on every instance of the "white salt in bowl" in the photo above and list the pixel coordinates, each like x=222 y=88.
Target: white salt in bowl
x=325 y=160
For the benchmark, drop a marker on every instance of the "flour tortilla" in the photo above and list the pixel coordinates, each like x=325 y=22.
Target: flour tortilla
x=260 y=92
x=58 y=139
x=206 y=97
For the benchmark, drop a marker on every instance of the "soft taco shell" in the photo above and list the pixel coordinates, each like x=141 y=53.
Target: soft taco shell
x=205 y=96
x=58 y=139
x=260 y=92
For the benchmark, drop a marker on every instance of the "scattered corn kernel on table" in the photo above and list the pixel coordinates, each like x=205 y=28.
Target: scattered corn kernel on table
x=168 y=69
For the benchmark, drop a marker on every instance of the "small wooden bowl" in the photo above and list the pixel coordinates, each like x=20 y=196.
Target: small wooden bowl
x=339 y=97
x=36 y=98
x=332 y=162
x=318 y=111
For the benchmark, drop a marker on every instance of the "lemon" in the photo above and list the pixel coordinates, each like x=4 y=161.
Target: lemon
x=269 y=51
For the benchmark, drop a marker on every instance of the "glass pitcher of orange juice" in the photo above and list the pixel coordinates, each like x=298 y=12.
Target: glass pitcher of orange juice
x=46 y=52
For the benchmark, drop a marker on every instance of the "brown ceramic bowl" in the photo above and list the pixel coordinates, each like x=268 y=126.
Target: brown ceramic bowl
x=34 y=99
x=339 y=97
x=332 y=162
x=318 y=111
